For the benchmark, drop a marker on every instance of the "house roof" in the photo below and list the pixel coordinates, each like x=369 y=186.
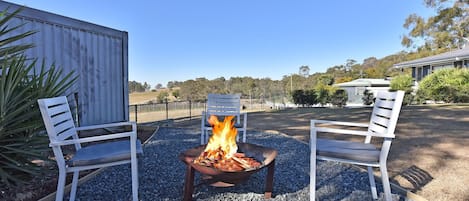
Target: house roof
x=365 y=83
x=447 y=57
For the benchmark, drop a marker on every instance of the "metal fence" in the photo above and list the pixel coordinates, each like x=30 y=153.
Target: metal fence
x=152 y=112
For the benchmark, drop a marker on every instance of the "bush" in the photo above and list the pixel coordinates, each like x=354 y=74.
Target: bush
x=403 y=83
x=339 y=98
x=304 y=97
x=20 y=119
x=368 y=97
x=448 y=85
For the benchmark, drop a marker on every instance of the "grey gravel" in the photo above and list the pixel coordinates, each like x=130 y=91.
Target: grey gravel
x=161 y=174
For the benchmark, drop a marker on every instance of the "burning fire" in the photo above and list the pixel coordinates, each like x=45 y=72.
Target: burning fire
x=221 y=150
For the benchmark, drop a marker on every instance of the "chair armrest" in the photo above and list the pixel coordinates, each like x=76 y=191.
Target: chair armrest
x=131 y=134
x=106 y=126
x=337 y=130
x=342 y=123
x=341 y=131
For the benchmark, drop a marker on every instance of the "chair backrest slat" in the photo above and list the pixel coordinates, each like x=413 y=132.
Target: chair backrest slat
x=385 y=113
x=57 y=118
x=382 y=112
x=223 y=105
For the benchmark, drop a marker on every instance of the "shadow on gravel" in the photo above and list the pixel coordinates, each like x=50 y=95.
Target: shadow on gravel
x=162 y=174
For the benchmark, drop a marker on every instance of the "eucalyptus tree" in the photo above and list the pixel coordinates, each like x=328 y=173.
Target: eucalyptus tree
x=449 y=28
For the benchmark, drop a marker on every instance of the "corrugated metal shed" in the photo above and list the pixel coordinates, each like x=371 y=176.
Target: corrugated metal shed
x=97 y=54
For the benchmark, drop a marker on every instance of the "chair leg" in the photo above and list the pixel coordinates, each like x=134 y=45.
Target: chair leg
x=60 y=185
x=202 y=135
x=73 y=191
x=134 y=169
x=312 y=176
x=372 y=183
x=386 y=185
x=244 y=135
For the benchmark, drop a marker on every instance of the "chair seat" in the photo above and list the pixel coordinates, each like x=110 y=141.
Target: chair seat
x=347 y=150
x=104 y=153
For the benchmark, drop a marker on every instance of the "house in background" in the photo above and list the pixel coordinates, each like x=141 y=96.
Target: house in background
x=425 y=66
x=356 y=88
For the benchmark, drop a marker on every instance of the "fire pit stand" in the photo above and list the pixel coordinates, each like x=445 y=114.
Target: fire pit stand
x=219 y=178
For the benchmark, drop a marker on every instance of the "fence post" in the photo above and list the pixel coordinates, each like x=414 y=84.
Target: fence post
x=136 y=107
x=190 y=110
x=166 y=102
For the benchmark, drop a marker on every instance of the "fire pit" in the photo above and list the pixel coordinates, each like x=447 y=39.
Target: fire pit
x=223 y=162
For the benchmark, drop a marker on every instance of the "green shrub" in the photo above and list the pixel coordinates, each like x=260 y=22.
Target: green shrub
x=403 y=83
x=448 y=85
x=20 y=120
x=339 y=98
x=304 y=97
x=368 y=97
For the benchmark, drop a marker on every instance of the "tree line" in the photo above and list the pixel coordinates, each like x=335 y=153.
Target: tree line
x=446 y=30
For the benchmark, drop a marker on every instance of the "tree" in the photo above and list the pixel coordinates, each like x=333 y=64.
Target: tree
x=146 y=86
x=176 y=93
x=322 y=94
x=349 y=63
x=135 y=86
x=162 y=96
x=298 y=97
x=449 y=28
x=159 y=86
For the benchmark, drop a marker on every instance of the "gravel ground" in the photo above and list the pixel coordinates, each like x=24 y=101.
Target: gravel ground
x=162 y=174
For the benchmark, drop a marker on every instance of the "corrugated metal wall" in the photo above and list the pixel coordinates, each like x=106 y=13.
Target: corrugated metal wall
x=97 y=54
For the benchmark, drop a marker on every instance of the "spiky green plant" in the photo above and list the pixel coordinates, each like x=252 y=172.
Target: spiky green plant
x=20 y=120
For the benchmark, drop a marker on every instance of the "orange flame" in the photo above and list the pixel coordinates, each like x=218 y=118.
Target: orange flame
x=222 y=143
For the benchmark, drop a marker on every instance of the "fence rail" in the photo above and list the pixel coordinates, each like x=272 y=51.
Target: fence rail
x=143 y=113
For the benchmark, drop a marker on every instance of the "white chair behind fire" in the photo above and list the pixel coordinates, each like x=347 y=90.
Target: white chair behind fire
x=382 y=124
x=62 y=132
x=223 y=105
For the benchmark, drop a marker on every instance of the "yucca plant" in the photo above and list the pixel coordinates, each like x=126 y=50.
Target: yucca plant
x=20 y=120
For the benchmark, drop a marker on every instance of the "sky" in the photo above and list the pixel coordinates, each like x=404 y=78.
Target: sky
x=178 y=40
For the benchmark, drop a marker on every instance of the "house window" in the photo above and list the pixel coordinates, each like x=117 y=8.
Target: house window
x=425 y=71
x=359 y=91
x=436 y=68
x=419 y=73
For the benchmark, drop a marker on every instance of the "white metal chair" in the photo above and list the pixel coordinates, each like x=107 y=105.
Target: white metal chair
x=382 y=124
x=223 y=105
x=62 y=132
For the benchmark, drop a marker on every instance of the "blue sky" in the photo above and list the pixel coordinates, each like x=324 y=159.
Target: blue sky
x=178 y=40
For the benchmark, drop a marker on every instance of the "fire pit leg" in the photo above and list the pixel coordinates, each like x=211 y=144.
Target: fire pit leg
x=189 y=184
x=270 y=180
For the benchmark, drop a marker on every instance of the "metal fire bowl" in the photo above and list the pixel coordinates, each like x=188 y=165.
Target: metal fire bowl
x=220 y=178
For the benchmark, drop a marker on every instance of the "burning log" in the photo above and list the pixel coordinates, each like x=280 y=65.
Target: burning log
x=221 y=150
